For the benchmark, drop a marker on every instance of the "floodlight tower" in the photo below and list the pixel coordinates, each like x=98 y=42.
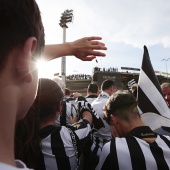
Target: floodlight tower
x=166 y=59
x=66 y=17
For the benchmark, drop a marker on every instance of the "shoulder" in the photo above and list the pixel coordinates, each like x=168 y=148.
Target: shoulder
x=19 y=165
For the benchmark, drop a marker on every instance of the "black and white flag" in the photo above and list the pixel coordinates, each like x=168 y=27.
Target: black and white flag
x=131 y=83
x=151 y=103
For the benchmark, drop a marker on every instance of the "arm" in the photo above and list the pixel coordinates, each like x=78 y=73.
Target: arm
x=80 y=48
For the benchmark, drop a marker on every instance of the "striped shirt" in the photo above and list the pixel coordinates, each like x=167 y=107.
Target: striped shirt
x=57 y=150
x=133 y=152
x=68 y=111
x=91 y=98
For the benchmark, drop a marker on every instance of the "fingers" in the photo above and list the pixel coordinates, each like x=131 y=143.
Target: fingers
x=88 y=58
x=93 y=38
x=97 y=43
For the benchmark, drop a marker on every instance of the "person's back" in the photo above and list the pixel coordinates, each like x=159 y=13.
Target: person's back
x=43 y=145
x=103 y=135
x=69 y=113
x=98 y=104
x=133 y=152
x=135 y=145
x=60 y=152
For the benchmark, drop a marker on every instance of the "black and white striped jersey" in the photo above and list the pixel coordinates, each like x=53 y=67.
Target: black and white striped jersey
x=134 y=151
x=57 y=150
x=91 y=98
x=68 y=111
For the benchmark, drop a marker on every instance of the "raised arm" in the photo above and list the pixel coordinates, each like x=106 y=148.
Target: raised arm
x=84 y=49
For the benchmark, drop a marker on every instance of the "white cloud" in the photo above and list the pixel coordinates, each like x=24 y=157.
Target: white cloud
x=133 y=23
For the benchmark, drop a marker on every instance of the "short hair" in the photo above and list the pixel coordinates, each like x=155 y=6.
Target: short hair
x=107 y=84
x=67 y=92
x=59 y=81
x=49 y=94
x=165 y=85
x=119 y=104
x=19 y=20
x=93 y=88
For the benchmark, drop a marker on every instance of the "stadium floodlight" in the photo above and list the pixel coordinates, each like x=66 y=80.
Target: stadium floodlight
x=166 y=59
x=66 y=17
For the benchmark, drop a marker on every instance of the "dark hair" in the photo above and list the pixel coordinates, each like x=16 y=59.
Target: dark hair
x=107 y=84
x=19 y=20
x=93 y=88
x=119 y=104
x=27 y=138
x=67 y=92
x=48 y=95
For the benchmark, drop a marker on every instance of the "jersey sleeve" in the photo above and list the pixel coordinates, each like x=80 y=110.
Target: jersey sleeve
x=82 y=130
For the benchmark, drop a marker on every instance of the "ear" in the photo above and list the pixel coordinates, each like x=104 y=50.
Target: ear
x=24 y=60
x=59 y=106
x=114 y=120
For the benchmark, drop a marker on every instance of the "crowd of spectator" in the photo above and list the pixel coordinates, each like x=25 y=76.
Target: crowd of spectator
x=78 y=77
x=42 y=127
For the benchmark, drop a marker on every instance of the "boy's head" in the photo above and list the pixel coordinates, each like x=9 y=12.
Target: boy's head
x=120 y=110
x=49 y=99
x=19 y=20
x=21 y=40
x=92 y=88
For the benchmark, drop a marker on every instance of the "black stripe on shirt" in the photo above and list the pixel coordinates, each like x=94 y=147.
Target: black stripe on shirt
x=107 y=164
x=41 y=162
x=58 y=150
x=97 y=146
x=159 y=157
x=113 y=155
x=165 y=140
x=136 y=154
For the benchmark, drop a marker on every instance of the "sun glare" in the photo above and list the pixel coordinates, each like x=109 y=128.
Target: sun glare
x=44 y=70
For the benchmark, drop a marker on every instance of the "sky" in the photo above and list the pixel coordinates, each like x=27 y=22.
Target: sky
x=124 y=25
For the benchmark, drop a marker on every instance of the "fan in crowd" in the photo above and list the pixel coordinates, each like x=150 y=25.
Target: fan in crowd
x=134 y=145
x=103 y=135
x=92 y=92
x=166 y=92
x=48 y=146
x=69 y=113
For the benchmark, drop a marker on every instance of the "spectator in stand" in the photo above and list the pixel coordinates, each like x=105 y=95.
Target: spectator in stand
x=69 y=113
x=42 y=145
x=92 y=92
x=103 y=135
x=166 y=92
x=22 y=42
x=135 y=145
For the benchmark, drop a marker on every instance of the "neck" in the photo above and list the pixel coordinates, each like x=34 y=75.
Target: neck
x=8 y=113
x=7 y=126
x=131 y=124
x=107 y=91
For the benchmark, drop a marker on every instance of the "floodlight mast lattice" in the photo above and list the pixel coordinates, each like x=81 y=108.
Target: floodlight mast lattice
x=66 y=17
x=166 y=59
